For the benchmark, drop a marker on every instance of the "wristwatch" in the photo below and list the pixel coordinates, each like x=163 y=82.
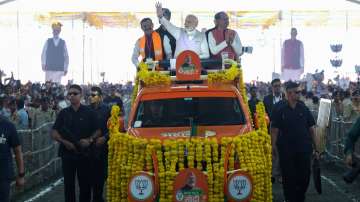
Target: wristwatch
x=21 y=174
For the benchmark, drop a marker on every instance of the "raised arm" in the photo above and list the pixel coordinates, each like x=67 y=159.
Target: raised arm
x=172 y=29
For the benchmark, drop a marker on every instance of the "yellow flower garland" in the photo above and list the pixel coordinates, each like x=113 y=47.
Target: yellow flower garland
x=225 y=76
x=147 y=78
x=152 y=78
x=129 y=154
x=135 y=90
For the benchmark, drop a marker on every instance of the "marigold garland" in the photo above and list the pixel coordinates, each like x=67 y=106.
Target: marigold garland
x=135 y=90
x=148 y=78
x=129 y=154
x=250 y=151
x=224 y=76
x=260 y=111
x=152 y=78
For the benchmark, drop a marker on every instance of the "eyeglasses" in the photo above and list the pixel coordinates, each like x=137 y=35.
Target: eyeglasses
x=73 y=93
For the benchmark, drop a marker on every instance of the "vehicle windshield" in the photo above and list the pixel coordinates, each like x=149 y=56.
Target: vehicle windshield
x=205 y=111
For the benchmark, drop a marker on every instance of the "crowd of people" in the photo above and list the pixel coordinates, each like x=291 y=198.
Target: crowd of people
x=30 y=105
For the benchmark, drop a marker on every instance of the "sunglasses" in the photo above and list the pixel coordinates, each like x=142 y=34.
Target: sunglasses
x=93 y=95
x=73 y=93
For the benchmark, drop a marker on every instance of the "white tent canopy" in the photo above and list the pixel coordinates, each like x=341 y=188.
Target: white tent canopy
x=174 y=5
x=333 y=21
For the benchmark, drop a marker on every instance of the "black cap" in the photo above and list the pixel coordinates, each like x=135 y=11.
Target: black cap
x=290 y=85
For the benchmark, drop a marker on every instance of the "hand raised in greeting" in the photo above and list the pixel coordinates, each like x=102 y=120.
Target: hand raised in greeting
x=159 y=10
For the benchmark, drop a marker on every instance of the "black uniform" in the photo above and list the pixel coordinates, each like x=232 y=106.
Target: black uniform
x=269 y=103
x=100 y=158
x=74 y=125
x=294 y=144
x=8 y=140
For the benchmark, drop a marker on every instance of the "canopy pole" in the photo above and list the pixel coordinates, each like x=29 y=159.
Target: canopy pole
x=18 y=44
x=91 y=61
x=83 y=55
x=347 y=20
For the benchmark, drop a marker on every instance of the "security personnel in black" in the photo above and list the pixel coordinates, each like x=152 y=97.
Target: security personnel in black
x=76 y=129
x=292 y=130
x=100 y=150
x=9 y=140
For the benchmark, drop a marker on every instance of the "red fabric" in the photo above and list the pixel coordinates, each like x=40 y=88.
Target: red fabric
x=292 y=54
x=219 y=36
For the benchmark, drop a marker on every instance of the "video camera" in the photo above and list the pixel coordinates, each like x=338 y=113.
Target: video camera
x=247 y=49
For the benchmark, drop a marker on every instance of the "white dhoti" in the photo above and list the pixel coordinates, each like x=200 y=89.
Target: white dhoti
x=291 y=74
x=54 y=76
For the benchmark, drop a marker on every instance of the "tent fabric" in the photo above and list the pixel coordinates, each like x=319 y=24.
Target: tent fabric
x=186 y=5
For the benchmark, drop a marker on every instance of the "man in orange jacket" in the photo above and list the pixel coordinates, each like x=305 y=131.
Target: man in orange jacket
x=149 y=46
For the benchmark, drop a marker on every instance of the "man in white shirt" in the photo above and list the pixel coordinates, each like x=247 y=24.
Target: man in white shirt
x=187 y=38
x=54 y=57
x=224 y=40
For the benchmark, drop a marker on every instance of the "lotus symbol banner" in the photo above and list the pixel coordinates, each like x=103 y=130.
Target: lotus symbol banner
x=141 y=188
x=141 y=184
x=239 y=187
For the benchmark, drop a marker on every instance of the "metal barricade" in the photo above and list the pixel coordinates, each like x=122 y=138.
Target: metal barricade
x=314 y=114
x=40 y=156
x=335 y=138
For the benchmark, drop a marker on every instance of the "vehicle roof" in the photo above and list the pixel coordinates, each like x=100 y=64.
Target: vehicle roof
x=188 y=87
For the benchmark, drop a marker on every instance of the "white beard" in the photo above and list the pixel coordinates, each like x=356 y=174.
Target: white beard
x=189 y=30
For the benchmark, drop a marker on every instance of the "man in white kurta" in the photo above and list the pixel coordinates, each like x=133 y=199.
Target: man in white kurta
x=224 y=40
x=54 y=57
x=187 y=38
